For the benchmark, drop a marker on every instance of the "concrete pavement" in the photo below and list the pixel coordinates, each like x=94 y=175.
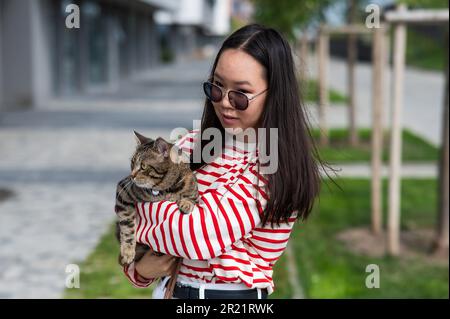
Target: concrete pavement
x=364 y=170
x=62 y=161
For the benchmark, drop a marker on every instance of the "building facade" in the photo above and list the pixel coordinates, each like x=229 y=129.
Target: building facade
x=195 y=23
x=41 y=57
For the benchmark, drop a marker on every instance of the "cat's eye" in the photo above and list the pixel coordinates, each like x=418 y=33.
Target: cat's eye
x=143 y=166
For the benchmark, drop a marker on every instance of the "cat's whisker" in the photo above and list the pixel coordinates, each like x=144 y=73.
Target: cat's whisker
x=118 y=195
x=125 y=187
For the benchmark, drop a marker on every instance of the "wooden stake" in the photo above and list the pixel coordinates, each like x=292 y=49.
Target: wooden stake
x=352 y=58
x=378 y=58
x=304 y=51
x=442 y=236
x=393 y=230
x=322 y=47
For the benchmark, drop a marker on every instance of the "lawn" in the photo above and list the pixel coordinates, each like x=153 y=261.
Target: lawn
x=102 y=277
x=415 y=149
x=425 y=52
x=329 y=270
x=311 y=93
x=326 y=267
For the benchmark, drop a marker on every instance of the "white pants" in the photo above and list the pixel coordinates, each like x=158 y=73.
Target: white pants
x=160 y=289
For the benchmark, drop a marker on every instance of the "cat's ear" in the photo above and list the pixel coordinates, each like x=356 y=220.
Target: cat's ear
x=141 y=139
x=162 y=146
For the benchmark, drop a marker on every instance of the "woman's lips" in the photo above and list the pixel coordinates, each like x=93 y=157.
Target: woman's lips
x=229 y=120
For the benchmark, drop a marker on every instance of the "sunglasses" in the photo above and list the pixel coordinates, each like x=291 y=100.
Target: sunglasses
x=237 y=99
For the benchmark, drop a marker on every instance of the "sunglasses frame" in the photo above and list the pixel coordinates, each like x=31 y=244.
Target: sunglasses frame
x=227 y=93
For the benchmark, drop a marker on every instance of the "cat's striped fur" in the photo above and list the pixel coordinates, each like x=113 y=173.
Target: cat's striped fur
x=157 y=173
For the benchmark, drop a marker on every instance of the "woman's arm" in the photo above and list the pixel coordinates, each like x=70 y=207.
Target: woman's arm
x=133 y=276
x=144 y=272
x=221 y=218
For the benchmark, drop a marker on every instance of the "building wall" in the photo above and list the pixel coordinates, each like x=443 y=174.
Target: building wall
x=213 y=16
x=1 y=60
x=17 y=64
x=24 y=54
x=221 y=23
x=190 y=12
x=42 y=82
x=155 y=45
x=117 y=39
x=125 y=37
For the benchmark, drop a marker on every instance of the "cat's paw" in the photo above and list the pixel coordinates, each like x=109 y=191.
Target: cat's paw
x=185 y=205
x=127 y=253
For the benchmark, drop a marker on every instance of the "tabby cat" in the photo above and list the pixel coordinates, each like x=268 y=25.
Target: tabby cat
x=157 y=173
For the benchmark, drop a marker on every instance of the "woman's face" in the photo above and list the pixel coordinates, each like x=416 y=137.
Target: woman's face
x=237 y=70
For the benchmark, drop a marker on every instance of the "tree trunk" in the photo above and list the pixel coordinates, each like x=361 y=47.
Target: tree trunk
x=303 y=58
x=323 y=51
x=393 y=225
x=441 y=240
x=352 y=54
x=378 y=64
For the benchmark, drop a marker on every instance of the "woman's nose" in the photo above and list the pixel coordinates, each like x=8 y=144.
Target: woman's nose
x=226 y=102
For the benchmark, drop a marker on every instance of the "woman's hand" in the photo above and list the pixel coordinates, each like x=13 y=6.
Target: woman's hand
x=153 y=266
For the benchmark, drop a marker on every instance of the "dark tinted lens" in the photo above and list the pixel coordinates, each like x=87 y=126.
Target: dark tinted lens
x=207 y=89
x=238 y=100
x=212 y=92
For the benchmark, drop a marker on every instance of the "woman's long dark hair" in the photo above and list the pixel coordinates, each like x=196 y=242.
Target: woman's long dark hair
x=296 y=183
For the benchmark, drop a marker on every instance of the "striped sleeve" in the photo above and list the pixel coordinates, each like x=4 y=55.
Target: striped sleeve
x=222 y=217
x=133 y=276
x=271 y=242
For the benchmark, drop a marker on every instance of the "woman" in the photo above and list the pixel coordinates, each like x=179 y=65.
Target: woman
x=242 y=222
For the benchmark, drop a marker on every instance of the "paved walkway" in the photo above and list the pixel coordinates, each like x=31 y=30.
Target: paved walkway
x=62 y=161
x=364 y=170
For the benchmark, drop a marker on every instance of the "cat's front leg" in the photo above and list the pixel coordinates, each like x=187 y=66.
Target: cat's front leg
x=186 y=205
x=127 y=235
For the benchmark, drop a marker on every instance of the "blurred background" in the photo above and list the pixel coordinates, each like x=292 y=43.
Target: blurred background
x=71 y=97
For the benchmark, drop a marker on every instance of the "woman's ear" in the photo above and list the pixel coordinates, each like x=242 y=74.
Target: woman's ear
x=141 y=139
x=162 y=146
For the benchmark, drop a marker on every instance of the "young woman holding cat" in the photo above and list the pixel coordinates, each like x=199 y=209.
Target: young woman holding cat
x=241 y=225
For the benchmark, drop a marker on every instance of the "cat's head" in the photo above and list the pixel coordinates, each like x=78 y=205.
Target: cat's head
x=151 y=164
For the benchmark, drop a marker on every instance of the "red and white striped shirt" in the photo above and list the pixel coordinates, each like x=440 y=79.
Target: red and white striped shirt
x=221 y=240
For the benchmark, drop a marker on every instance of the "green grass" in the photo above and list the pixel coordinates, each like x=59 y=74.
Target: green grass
x=415 y=149
x=425 y=52
x=281 y=280
x=328 y=270
x=311 y=93
x=102 y=277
